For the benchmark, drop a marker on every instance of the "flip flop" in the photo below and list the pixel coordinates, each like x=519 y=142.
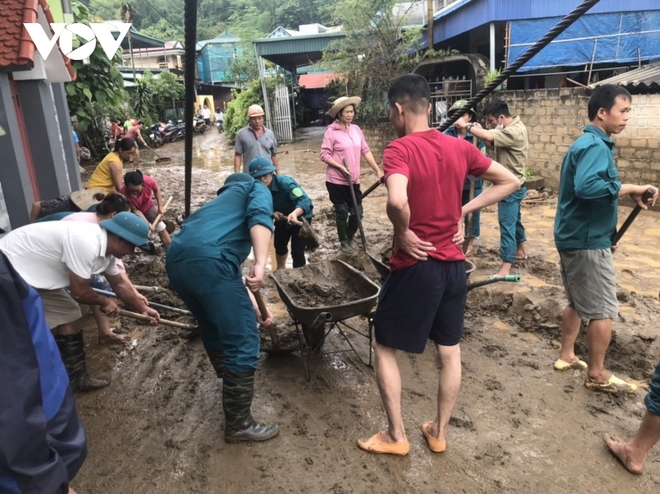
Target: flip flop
x=521 y=258
x=375 y=444
x=561 y=365
x=435 y=445
x=614 y=385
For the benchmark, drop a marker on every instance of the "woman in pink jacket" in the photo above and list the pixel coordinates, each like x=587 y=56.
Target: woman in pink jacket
x=343 y=140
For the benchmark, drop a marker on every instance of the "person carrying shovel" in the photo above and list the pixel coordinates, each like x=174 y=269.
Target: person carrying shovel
x=289 y=202
x=204 y=267
x=585 y=226
x=140 y=190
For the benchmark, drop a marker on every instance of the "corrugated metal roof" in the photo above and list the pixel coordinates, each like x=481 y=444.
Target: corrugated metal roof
x=645 y=76
x=295 y=44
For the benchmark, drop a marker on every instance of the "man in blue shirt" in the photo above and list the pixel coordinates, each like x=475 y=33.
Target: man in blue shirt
x=204 y=267
x=585 y=226
x=289 y=202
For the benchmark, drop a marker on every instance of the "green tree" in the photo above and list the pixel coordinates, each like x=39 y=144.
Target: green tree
x=236 y=116
x=165 y=89
x=98 y=85
x=374 y=52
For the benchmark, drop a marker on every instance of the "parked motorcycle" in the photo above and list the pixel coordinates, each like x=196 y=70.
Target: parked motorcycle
x=170 y=132
x=156 y=135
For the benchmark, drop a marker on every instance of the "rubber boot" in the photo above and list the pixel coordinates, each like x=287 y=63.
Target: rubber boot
x=72 y=350
x=217 y=358
x=351 y=229
x=237 y=392
x=342 y=233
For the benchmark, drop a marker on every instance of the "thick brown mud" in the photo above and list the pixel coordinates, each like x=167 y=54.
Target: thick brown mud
x=518 y=426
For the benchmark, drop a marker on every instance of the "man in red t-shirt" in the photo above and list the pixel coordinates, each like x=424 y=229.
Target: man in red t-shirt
x=424 y=296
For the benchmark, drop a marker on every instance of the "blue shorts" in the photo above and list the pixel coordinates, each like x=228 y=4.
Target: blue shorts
x=423 y=302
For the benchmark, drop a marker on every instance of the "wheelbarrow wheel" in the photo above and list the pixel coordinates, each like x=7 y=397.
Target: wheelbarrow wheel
x=314 y=338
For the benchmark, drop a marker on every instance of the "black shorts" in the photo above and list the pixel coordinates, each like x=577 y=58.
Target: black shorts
x=423 y=302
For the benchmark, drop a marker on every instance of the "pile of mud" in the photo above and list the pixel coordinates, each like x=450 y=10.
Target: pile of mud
x=325 y=284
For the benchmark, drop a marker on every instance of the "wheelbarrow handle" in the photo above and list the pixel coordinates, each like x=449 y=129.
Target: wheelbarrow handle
x=511 y=278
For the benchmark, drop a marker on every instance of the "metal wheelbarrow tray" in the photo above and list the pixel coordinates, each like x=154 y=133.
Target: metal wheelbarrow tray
x=358 y=291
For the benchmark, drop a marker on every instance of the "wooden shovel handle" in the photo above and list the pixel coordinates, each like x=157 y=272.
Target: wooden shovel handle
x=263 y=310
x=167 y=205
x=165 y=322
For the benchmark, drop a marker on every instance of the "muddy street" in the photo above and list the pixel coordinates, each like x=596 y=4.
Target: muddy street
x=518 y=427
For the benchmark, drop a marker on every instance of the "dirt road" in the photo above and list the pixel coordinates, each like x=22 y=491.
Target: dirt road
x=519 y=426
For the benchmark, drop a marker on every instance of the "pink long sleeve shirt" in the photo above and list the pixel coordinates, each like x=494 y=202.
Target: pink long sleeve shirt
x=338 y=144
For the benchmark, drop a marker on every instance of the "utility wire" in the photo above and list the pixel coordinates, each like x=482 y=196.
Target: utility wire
x=578 y=12
x=164 y=17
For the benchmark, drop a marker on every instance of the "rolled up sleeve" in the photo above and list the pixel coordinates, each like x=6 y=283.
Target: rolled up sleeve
x=301 y=200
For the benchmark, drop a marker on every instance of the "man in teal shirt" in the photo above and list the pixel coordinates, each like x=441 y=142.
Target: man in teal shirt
x=585 y=225
x=289 y=203
x=204 y=267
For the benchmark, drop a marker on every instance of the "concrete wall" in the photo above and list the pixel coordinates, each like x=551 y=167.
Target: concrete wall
x=554 y=119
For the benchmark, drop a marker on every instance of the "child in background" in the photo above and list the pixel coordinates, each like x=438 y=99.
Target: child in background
x=139 y=190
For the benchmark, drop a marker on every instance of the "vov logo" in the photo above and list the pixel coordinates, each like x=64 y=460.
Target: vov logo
x=96 y=31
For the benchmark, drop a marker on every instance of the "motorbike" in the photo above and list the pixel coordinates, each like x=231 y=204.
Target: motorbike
x=199 y=125
x=170 y=132
x=156 y=135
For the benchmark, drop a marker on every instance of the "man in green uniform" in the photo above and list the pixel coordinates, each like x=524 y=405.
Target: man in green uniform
x=204 y=267
x=289 y=202
x=585 y=226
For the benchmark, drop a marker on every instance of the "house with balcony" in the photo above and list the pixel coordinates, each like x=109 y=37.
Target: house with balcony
x=168 y=57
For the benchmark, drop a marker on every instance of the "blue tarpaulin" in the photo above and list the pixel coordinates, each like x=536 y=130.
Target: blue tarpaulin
x=603 y=38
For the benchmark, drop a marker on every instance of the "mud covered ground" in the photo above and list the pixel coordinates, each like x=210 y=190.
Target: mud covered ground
x=518 y=425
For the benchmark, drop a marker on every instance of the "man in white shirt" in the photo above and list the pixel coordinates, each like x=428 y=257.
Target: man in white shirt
x=54 y=255
x=206 y=115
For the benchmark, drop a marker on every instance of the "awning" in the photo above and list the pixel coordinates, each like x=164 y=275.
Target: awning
x=647 y=76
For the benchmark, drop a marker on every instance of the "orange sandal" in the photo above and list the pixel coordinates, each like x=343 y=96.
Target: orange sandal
x=435 y=445
x=375 y=444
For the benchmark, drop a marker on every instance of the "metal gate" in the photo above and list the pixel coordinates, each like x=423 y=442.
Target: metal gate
x=444 y=94
x=282 y=115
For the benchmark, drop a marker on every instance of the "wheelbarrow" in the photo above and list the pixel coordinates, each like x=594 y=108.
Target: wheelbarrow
x=384 y=271
x=313 y=324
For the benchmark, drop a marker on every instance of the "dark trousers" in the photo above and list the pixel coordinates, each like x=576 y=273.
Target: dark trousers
x=285 y=232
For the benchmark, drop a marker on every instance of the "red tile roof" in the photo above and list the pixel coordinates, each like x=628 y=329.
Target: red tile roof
x=315 y=81
x=16 y=47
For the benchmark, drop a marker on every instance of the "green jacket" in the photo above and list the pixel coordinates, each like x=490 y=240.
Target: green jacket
x=588 y=194
x=288 y=195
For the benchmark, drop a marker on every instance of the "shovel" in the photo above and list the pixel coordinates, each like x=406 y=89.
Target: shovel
x=151 y=304
x=160 y=158
x=264 y=315
x=158 y=218
x=357 y=211
x=307 y=235
x=165 y=322
x=631 y=217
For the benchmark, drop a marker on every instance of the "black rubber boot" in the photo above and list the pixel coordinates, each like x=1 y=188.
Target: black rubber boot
x=342 y=233
x=217 y=358
x=351 y=229
x=237 y=392
x=72 y=350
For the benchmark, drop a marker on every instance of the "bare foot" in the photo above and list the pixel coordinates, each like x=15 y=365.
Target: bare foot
x=470 y=247
x=112 y=338
x=620 y=452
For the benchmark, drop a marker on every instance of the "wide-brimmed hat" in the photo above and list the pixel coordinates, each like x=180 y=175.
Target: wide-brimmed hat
x=128 y=226
x=458 y=105
x=87 y=197
x=234 y=178
x=261 y=166
x=255 y=111
x=343 y=102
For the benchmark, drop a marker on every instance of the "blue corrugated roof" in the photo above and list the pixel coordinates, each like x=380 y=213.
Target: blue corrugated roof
x=467 y=15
